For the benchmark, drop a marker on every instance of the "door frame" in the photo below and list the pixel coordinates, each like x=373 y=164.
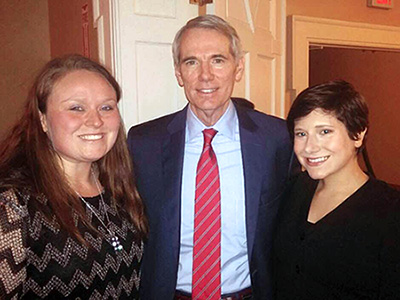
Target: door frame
x=304 y=32
x=113 y=53
x=109 y=44
x=116 y=48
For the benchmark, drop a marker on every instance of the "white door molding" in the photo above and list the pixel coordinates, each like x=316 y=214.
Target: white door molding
x=141 y=34
x=261 y=27
x=305 y=31
x=116 y=46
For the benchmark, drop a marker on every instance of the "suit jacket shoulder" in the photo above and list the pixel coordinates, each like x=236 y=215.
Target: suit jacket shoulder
x=266 y=130
x=160 y=125
x=267 y=123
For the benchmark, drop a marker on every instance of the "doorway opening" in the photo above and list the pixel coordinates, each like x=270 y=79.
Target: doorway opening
x=374 y=73
x=365 y=55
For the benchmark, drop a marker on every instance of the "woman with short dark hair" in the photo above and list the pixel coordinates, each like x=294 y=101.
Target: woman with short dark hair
x=71 y=219
x=339 y=231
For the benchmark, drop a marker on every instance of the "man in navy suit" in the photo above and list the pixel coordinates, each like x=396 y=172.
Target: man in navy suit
x=253 y=151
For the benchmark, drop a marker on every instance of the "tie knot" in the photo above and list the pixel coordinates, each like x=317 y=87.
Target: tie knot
x=209 y=135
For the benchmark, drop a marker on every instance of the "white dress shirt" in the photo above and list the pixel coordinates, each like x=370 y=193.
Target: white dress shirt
x=235 y=273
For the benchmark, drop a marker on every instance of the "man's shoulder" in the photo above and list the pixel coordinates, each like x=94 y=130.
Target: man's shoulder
x=154 y=127
x=263 y=118
x=265 y=122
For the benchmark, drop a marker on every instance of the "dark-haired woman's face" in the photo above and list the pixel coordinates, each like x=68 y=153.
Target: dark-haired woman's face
x=323 y=146
x=82 y=118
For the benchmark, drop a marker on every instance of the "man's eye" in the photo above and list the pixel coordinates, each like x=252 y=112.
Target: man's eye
x=218 y=61
x=107 y=107
x=76 y=108
x=190 y=62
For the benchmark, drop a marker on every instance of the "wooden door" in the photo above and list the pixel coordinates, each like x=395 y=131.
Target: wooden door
x=140 y=55
x=260 y=25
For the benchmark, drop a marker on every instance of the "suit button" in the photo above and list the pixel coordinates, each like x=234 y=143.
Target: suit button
x=297 y=269
x=302 y=236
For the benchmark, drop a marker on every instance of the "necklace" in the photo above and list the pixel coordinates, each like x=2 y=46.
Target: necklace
x=114 y=239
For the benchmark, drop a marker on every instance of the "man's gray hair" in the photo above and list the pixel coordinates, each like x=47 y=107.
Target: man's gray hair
x=211 y=22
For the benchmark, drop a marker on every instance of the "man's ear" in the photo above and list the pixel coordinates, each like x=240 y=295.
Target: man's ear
x=178 y=75
x=360 y=138
x=239 y=69
x=43 y=121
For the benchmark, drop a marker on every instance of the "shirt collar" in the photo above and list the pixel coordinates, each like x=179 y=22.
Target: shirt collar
x=226 y=125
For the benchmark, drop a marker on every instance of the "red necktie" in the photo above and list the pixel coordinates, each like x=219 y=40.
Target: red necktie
x=206 y=272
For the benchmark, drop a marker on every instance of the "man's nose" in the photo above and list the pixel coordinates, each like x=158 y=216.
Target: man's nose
x=206 y=72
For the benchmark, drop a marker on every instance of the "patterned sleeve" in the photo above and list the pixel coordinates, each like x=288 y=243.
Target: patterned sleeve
x=13 y=217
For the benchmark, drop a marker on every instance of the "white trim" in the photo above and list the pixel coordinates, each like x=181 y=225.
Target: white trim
x=100 y=40
x=116 y=48
x=305 y=31
x=210 y=9
x=248 y=15
x=96 y=11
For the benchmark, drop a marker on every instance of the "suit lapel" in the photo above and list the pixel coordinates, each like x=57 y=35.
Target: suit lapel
x=172 y=164
x=253 y=155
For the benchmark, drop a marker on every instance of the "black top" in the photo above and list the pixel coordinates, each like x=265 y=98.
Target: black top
x=38 y=259
x=351 y=253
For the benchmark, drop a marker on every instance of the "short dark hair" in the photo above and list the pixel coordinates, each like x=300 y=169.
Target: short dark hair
x=338 y=98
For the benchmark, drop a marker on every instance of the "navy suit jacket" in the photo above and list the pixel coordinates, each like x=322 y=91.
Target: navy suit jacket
x=157 y=149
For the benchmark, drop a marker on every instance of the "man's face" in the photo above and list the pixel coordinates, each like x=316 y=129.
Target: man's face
x=207 y=71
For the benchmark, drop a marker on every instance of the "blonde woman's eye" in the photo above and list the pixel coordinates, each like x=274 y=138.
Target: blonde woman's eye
x=300 y=134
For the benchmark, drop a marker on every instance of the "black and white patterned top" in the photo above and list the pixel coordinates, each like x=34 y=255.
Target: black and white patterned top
x=40 y=260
